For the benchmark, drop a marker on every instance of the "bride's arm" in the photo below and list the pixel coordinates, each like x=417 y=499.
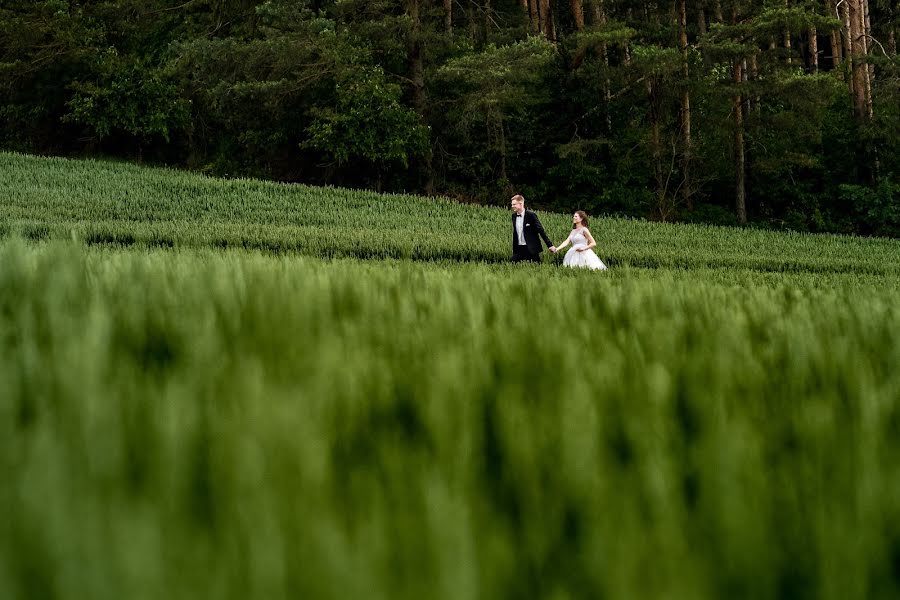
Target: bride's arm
x=590 y=239
x=564 y=244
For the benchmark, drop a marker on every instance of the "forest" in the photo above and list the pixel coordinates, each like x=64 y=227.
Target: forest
x=778 y=114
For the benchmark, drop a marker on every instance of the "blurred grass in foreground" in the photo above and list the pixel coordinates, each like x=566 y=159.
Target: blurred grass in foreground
x=192 y=424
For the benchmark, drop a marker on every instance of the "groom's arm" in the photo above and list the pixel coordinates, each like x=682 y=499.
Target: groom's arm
x=541 y=232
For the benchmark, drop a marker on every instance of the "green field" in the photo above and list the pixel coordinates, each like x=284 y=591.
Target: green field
x=124 y=205
x=207 y=393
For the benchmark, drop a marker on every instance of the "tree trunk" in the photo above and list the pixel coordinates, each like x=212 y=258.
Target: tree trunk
x=503 y=175
x=656 y=150
x=892 y=43
x=751 y=73
x=416 y=66
x=417 y=77
x=787 y=38
x=740 y=165
x=685 y=107
x=547 y=21
x=740 y=193
x=847 y=40
x=837 y=47
x=626 y=47
x=597 y=9
x=703 y=28
x=813 y=50
x=599 y=19
x=448 y=16
x=860 y=70
x=543 y=15
x=578 y=14
x=720 y=16
x=487 y=19
x=867 y=45
x=534 y=12
x=860 y=76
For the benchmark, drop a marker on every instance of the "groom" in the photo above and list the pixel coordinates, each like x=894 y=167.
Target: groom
x=526 y=229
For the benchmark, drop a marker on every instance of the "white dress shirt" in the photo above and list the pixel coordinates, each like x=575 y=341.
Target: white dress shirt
x=520 y=228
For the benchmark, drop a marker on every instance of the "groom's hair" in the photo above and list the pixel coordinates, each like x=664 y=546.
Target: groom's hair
x=518 y=198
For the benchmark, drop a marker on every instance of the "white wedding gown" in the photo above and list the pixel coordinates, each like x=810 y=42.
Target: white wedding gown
x=586 y=259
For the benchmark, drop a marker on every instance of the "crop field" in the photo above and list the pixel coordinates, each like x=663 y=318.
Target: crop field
x=104 y=203
x=206 y=390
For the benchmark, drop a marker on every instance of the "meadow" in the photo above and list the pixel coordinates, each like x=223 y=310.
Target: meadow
x=206 y=391
x=103 y=203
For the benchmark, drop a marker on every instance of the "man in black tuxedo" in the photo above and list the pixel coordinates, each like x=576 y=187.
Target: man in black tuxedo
x=527 y=233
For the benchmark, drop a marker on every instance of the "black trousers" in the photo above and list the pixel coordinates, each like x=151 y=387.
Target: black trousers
x=522 y=253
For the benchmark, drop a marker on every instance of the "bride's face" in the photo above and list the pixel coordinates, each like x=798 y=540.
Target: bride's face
x=576 y=219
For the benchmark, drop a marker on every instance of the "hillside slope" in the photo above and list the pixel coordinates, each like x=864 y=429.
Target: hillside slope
x=112 y=203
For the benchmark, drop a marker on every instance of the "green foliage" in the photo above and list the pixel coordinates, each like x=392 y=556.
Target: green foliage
x=43 y=48
x=134 y=99
x=776 y=18
x=656 y=61
x=612 y=33
x=493 y=102
x=495 y=85
x=368 y=121
x=878 y=209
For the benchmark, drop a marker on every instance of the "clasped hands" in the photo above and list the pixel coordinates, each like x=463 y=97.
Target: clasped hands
x=554 y=249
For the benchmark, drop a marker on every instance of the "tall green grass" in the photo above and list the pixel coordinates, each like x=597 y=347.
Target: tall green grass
x=114 y=204
x=198 y=423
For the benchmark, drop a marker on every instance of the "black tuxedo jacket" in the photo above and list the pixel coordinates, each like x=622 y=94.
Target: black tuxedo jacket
x=533 y=232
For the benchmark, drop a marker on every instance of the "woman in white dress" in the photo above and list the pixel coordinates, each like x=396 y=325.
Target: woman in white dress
x=581 y=254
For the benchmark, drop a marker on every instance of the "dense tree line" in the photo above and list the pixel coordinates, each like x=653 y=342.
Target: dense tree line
x=780 y=113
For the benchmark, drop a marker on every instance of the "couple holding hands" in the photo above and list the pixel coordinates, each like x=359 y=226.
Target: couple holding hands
x=528 y=232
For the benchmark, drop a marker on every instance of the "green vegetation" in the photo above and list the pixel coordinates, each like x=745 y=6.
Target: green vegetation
x=784 y=114
x=186 y=421
x=118 y=204
x=230 y=424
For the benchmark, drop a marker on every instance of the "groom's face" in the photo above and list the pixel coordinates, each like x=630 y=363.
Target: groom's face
x=516 y=205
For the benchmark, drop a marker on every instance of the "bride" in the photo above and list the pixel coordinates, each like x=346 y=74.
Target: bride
x=581 y=253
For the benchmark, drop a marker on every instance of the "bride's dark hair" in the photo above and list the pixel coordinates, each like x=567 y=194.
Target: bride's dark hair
x=584 y=219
